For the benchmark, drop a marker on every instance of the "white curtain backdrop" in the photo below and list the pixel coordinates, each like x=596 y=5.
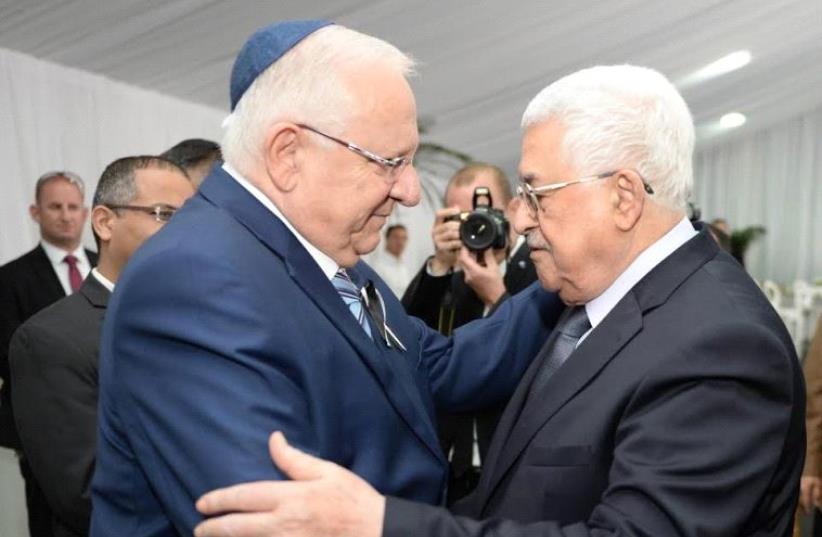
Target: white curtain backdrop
x=771 y=178
x=53 y=117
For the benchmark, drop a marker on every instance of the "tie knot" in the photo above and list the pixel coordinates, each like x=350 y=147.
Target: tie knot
x=342 y=281
x=70 y=260
x=575 y=323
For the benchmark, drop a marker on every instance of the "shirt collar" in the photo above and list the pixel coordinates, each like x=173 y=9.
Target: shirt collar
x=326 y=264
x=105 y=282
x=598 y=308
x=56 y=254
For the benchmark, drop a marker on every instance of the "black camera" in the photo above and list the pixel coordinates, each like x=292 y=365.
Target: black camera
x=484 y=227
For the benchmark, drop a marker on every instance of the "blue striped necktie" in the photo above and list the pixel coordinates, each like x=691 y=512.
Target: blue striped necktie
x=351 y=296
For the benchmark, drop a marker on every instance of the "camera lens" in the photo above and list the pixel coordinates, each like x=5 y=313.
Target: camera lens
x=478 y=232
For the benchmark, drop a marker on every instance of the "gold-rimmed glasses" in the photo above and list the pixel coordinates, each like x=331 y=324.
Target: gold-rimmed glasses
x=530 y=195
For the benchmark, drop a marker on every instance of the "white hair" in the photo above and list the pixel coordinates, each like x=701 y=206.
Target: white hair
x=623 y=116
x=305 y=85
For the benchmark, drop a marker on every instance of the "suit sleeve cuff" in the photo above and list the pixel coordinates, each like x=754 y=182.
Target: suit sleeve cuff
x=403 y=518
x=505 y=296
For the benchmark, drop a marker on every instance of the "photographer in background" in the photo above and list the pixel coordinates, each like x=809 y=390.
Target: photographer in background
x=452 y=288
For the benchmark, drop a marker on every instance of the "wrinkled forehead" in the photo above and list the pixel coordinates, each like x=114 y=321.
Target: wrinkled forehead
x=544 y=159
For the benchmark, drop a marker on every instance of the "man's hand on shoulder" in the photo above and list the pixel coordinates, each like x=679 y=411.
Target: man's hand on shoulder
x=323 y=499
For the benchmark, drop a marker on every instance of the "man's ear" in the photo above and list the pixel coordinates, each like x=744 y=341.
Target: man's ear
x=102 y=220
x=34 y=212
x=283 y=145
x=629 y=199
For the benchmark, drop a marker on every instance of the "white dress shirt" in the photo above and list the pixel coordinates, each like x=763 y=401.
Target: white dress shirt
x=598 y=308
x=56 y=255
x=327 y=265
x=392 y=270
x=105 y=282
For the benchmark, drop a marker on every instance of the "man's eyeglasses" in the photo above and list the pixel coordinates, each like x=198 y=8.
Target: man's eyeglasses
x=160 y=212
x=393 y=165
x=530 y=195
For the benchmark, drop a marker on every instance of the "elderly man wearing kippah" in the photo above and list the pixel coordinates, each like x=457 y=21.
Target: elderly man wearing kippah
x=250 y=311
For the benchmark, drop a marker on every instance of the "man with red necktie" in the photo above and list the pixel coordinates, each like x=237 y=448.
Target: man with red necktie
x=55 y=268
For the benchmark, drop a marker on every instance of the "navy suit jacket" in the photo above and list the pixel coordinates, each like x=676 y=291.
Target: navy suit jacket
x=223 y=329
x=681 y=414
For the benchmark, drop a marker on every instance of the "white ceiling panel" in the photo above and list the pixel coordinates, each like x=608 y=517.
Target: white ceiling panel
x=480 y=61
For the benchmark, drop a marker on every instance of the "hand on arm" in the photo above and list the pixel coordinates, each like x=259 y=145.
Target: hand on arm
x=322 y=499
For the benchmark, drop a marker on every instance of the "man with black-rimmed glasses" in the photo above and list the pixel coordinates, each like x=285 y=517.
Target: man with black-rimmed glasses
x=53 y=355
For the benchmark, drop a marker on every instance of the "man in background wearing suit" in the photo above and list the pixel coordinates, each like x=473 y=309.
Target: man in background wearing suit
x=250 y=311
x=668 y=401
x=53 y=269
x=447 y=294
x=53 y=355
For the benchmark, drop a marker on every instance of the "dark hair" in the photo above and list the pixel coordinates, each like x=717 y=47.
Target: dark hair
x=391 y=229
x=117 y=186
x=193 y=152
x=468 y=173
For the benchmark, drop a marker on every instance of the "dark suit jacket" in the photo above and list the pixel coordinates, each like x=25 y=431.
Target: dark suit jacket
x=27 y=285
x=53 y=359
x=435 y=299
x=681 y=414
x=223 y=329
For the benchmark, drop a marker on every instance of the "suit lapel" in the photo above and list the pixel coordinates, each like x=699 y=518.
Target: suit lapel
x=225 y=192
x=44 y=270
x=602 y=344
x=416 y=416
x=510 y=414
x=92 y=257
x=94 y=291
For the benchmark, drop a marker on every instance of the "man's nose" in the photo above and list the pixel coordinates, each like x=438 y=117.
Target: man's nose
x=407 y=188
x=522 y=219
